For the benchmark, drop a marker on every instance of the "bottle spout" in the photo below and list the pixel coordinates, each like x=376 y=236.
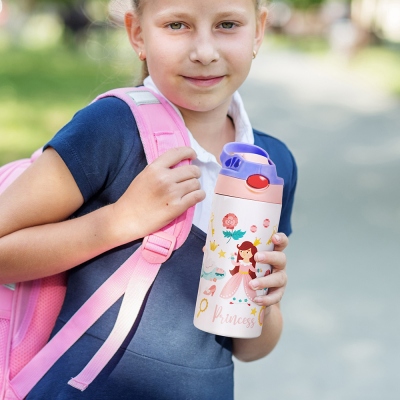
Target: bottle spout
x=242 y=160
x=256 y=158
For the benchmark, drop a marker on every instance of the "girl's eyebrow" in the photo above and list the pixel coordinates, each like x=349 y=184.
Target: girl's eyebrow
x=231 y=14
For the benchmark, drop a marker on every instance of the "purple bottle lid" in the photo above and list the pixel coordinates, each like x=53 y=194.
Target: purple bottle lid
x=249 y=162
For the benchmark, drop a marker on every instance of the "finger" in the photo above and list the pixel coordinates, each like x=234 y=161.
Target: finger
x=178 y=191
x=185 y=172
x=192 y=198
x=280 y=241
x=275 y=280
x=169 y=179
x=273 y=297
x=174 y=156
x=275 y=258
x=188 y=186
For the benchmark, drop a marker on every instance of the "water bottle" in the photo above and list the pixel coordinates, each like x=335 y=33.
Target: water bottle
x=245 y=215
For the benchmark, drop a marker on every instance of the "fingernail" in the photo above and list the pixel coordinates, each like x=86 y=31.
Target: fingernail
x=277 y=237
x=259 y=257
x=254 y=283
x=258 y=300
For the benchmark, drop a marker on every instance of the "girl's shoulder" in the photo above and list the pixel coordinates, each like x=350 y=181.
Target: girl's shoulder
x=107 y=122
x=272 y=144
x=97 y=142
x=108 y=117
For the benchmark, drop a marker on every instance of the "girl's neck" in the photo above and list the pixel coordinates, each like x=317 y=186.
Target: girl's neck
x=212 y=129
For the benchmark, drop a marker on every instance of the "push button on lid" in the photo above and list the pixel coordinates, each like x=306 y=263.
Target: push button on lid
x=257 y=181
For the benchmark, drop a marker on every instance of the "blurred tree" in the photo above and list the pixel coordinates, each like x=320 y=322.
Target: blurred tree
x=72 y=13
x=32 y=4
x=74 y=16
x=75 y=19
x=305 y=4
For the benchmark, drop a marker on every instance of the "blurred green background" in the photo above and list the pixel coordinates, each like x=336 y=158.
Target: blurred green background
x=56 y=56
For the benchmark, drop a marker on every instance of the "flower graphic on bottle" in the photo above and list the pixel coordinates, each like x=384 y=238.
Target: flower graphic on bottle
x=229 y=222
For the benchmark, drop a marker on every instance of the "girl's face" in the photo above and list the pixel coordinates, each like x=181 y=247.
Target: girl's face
x=198 y=51
x=245 y=254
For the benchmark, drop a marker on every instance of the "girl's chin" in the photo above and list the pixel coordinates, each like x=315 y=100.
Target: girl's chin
x=199 y=103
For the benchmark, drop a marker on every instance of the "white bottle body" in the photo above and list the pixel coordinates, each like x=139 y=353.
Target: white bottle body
x=225 y=303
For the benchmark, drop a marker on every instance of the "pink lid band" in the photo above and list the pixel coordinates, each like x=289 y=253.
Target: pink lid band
x=234 y=187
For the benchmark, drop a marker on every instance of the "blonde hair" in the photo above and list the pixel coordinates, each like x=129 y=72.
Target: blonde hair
x=138 y=6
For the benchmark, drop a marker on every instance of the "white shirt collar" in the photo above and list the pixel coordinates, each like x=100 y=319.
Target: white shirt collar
x=236 y=110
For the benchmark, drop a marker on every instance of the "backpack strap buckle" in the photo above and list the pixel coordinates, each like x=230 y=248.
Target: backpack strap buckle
x=158 y=247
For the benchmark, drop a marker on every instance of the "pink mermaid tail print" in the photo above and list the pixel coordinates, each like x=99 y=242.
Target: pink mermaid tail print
x=242 y=276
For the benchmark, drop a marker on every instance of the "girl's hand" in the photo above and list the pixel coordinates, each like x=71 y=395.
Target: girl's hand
x=158 y=195
x=277 y=280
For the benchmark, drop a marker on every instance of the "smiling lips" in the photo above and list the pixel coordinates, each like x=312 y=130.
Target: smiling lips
x=204 y=81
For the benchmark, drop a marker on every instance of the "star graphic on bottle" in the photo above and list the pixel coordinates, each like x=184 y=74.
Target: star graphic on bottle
x=222 y=254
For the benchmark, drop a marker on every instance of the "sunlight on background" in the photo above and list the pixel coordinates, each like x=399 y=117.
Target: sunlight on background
x=41 y=31
x=54 y=61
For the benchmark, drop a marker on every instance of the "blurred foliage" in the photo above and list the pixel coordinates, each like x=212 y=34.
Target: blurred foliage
x=380 y=65
x=308 y=44
x=305 y=4
x=76 y=16
x=53 y=2
x=41 y=90
x=31 y=4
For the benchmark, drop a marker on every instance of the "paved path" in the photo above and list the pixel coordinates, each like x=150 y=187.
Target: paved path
x=341 y=339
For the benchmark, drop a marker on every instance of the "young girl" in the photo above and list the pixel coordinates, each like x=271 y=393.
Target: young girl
x=85 y=204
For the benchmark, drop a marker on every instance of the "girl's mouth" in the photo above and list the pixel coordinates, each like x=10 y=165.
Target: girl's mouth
x=204 y=81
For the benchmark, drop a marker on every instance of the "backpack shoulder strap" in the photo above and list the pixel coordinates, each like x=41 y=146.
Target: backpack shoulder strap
x=160 y=129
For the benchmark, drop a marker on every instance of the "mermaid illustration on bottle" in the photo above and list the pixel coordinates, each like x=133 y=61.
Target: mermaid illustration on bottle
x=244 y=272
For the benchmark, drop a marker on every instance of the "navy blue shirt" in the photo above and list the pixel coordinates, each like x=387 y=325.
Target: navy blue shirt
x=165 y=356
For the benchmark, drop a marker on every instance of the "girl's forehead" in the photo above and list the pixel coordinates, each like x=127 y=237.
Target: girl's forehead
x=210 y=4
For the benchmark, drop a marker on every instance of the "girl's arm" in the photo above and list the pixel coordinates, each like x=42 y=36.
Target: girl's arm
x=252 y=268
x=254 y=349
x=37 y=239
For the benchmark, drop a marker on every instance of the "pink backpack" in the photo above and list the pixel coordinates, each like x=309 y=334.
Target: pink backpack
x=28 y=310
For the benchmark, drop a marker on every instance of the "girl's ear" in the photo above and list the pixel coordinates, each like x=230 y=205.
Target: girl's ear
x=134 y=31
x=260 y=28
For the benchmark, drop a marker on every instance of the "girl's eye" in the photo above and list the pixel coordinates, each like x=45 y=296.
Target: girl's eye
x=228 y=25
x=176 y=25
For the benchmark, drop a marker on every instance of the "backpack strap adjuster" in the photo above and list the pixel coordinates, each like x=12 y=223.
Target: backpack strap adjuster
x=158 y=247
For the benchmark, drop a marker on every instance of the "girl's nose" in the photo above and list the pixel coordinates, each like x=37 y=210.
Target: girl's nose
x=204 y=51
